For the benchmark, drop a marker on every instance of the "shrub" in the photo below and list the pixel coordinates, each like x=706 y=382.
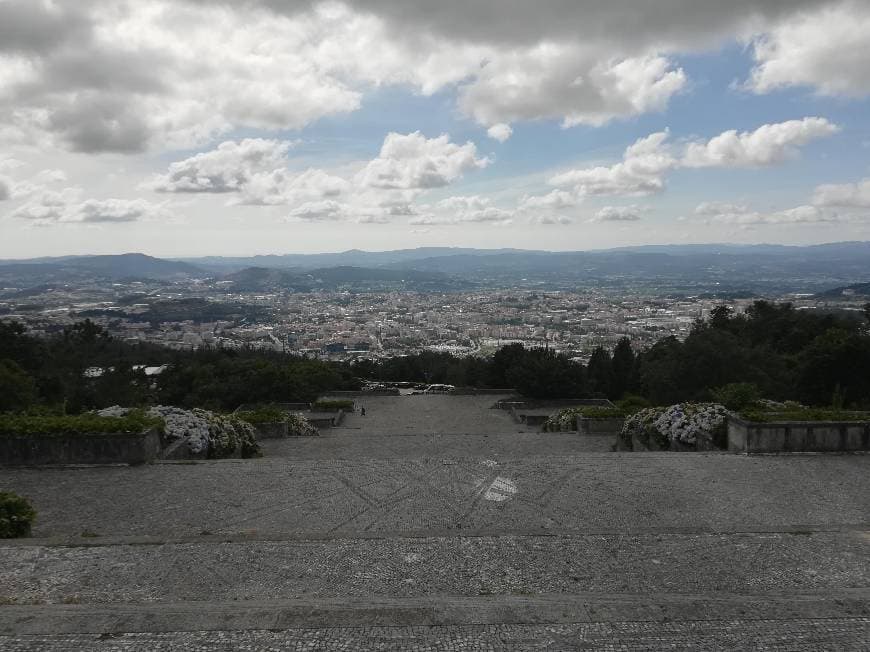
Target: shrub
x=16 y=516
x=297 y=425
x=203 y=431
x=82 y=425
x=265 y=414
x=332 y=406
x=641 y=425
x=633 y=403
x=565 y=419
x=804 y=415
x=737 y=396
x=682 y=423
x=685 y=422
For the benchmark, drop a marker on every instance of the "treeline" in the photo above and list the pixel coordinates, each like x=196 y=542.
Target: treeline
x=53 y=373
x=773 y=351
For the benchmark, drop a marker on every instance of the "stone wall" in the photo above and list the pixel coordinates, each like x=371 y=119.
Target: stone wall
x=797 y=436
x=103 y=448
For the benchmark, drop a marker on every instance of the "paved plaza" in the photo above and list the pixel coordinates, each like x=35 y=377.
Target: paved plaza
x=437 y=523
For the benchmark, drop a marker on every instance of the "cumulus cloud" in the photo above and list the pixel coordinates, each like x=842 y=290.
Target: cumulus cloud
x=633 y=213
x=824 y=49
x=281 y=186
x=125 y=75
x=568 y=82
x=740 y=215
x=549 y=220
x=67 y=207
x=228 y=168
x=853 y=195
x=641 y=171
x=767 y=145
x=554 y=200
x=319 y=211
x=463 y=210
x=500 y=132
x=645 y=163
x=414 y=162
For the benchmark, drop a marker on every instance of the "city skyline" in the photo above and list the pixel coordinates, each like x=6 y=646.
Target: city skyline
x=200 y=127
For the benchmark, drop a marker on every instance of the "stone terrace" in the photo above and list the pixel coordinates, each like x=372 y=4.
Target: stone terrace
x=437 y=523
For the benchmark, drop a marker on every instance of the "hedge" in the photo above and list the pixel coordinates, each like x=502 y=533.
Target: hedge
x=81 y=425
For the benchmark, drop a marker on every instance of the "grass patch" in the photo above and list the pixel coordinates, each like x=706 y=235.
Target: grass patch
x=763 y=416
x=81 y=425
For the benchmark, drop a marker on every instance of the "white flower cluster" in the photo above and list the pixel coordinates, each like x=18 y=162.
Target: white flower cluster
x=641 y=424
x=299 y=426
x=684 y=422
x=564 y=419
x=202 y=431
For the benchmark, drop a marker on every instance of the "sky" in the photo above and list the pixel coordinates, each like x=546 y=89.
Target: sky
x=204 y=127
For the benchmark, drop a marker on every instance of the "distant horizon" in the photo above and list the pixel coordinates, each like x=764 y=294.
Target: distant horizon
x=462 y=247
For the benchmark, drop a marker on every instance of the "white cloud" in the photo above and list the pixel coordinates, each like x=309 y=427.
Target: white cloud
x=719 y=208
x=645 y=164
x=855 y=195
x=824 y=49
x=500 y=132
x=767 y=145
x=281 y=186
x=414 y=162
x=633 y=213
x=554 y=200
x=320 y=211
x=128 y=75
x=67 y=207
x=740 y=215
x=463 y=210
x=548 y=220
x=228 y=168
x=641 y=171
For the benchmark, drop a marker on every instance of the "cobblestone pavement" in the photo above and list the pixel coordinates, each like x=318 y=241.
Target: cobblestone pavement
x=389 y=415
x=503 y=565
x=623 y=492
x=436 y=523
x=785 y=636
x=348 y=444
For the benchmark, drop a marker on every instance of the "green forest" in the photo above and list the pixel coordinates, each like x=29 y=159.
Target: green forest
x=772 y=351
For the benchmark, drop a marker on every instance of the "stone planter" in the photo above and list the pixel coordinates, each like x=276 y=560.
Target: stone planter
x=797 y=436
x=102 y=448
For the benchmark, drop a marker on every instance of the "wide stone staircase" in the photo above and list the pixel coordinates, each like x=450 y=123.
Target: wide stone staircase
x=437 y=524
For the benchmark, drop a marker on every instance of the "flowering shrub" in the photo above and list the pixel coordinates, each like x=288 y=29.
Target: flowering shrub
x=685 y=421
x=202 y=431
x=641 y=425
x=681 y=423
x=299 y=426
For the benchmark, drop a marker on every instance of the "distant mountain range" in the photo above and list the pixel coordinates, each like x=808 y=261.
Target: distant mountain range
x=718 y=269
x=69 y=269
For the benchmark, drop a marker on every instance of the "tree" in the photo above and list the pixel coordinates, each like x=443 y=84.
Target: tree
x=600 y=374
x=624 y=368
x=17 y=389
